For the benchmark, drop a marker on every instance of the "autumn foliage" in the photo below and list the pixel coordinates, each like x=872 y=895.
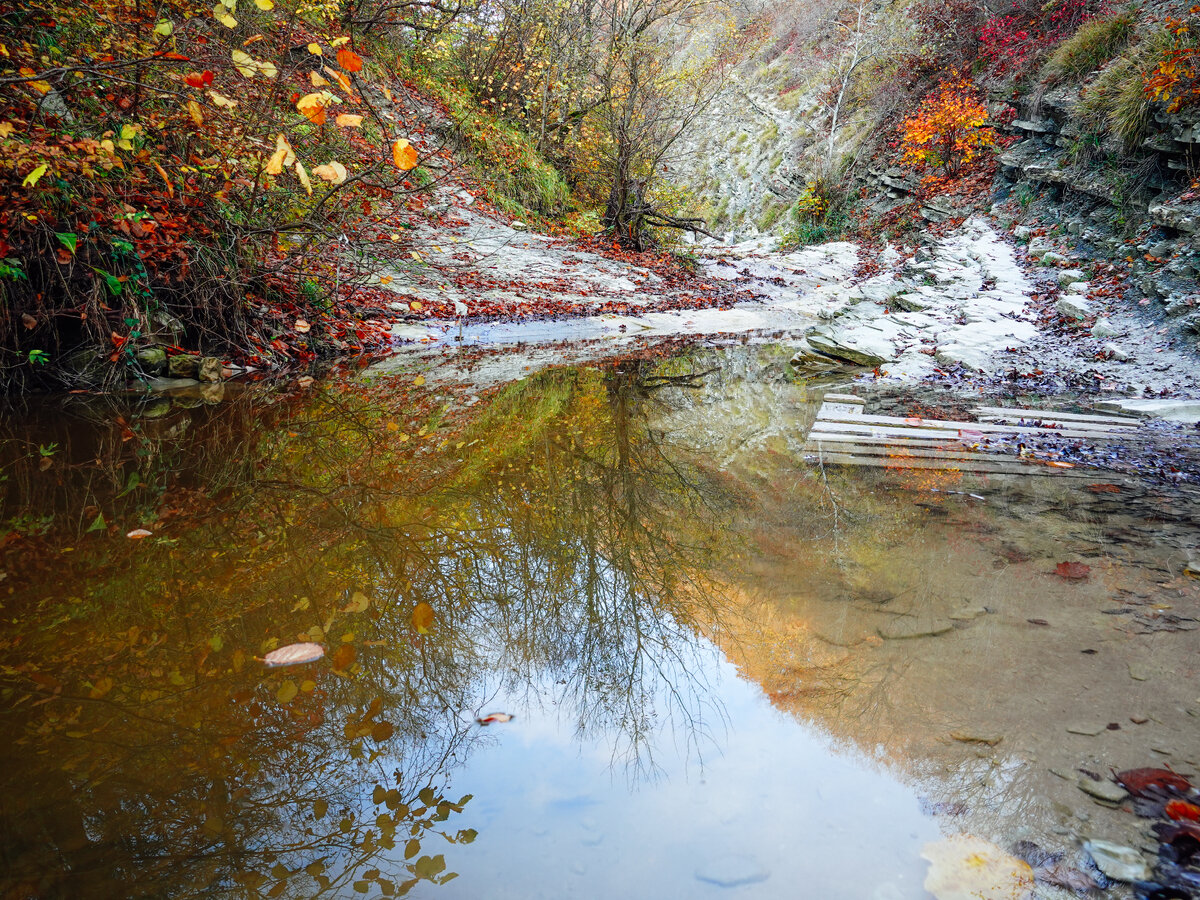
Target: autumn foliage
x=1175 y=80
x=948 y=131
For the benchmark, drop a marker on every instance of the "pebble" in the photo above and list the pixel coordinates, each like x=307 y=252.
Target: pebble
x=732 y=870
x=1103 y=790
x=1117 y=861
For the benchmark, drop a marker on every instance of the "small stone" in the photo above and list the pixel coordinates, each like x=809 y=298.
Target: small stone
x=1161 y=250
x=518 y=225
x=1103 y=328
x=184 y=365
x=152 y=359
x=1073 y=306
x=1117 y=861
x=1079 y=287
x=210 y=369
x=1104 y=790
x=967 y=614
x=732 y=870
x=1067 y=276
x=1115 y=352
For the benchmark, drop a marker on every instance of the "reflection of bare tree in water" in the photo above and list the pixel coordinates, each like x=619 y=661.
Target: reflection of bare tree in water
x=571 y=565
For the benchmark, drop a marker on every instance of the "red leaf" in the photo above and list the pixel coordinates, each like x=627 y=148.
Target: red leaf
x=1072 y=570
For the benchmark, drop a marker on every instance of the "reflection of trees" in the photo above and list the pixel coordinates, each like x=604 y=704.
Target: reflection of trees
x=564 y=545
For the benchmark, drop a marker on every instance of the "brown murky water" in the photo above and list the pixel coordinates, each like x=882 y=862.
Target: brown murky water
x=731 y=673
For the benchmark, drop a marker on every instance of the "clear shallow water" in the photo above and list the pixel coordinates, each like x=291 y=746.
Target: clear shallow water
x=725 y=665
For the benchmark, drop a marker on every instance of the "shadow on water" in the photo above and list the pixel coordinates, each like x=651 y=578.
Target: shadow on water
x=564 y=547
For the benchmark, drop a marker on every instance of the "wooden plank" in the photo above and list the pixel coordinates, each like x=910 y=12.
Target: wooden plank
x=844 y=398
x=840 y=410
x=943 y=426
x=945 y=434
x=863 y=437
x=1055 y=415
x=966 y=457
x=904 y=452
x=985 y=467
x=1062 y=423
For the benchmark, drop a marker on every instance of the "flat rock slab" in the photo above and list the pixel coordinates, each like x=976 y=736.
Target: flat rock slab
x=1104 y=790
x=1171 y=410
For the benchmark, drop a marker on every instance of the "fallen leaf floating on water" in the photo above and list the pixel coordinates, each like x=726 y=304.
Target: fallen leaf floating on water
x=494 y=717
x=138 y=533
x=1072 y=570
x=422 y=618
x=358 y=603
x=969 y=868
x=293 y=655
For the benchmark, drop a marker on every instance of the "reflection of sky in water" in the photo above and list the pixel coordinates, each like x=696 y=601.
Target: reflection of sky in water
x=557 y=819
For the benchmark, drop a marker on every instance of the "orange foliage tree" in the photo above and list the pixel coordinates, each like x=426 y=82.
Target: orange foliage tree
x=1175 y=79
x=949 y=130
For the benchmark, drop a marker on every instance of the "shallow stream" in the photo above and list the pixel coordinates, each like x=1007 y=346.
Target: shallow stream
x=731 y=673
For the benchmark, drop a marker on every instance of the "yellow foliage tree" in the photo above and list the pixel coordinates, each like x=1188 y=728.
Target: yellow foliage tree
x=948 y=131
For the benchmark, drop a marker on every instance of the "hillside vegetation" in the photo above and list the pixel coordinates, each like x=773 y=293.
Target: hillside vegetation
x=192 y=178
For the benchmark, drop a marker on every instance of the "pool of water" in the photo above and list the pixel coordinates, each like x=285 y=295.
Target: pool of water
x=730 y=672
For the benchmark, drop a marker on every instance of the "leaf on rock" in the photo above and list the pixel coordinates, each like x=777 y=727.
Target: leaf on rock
x=294 y=654
x=422 y=617
x=969 y=868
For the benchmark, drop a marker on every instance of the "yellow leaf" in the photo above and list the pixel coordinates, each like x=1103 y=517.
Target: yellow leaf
x=317 y=80
x=221 y=14
x=164 y=29
x=333 y=172
x=417 y=306
x=314 y=49
x=422 y=618
x=386 y=279
x=221 y=102
x=283 y=156
x=267 y=68
x=32 y=178
x=337 y=42
x=244 y=63
x=387 y=92
x=349 y=120
x=264 y=4
x=404 y=155
x=419 y=381
x=287 y=692
x=193 y=109
x=342 y=80
x=415 y=255
x=358 y=603
x=303 y=176
x=6 y=128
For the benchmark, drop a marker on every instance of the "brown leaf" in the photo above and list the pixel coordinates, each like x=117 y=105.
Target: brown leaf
x=494 y=717
x=343 y=657
x=29 y=321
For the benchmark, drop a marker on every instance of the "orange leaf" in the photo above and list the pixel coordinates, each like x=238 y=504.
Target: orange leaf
x=312 y=107
x=349 y=120
x=349 y=60
x=404 y=155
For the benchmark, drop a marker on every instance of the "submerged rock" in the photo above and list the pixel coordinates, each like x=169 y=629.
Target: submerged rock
x=1103 y=790
x=1117 y=861
x=964 y=867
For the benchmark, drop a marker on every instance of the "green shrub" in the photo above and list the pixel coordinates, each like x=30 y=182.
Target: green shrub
x=1094 y=44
